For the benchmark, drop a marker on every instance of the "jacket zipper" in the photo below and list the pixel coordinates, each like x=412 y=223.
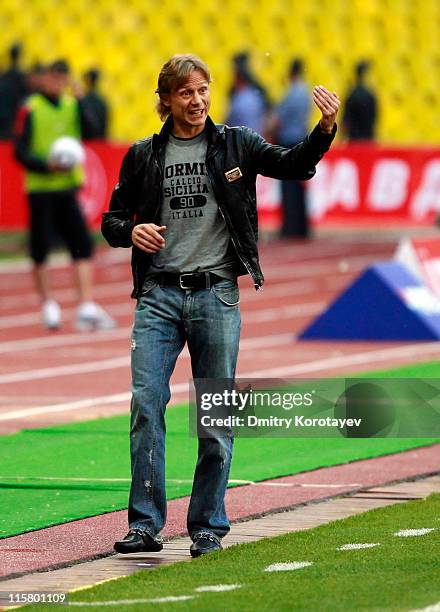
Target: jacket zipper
x=158 y=163
x=161 y=172
x=229 y=226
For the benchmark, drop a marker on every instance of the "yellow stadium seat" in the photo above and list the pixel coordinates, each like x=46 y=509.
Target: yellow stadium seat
x=130 y=40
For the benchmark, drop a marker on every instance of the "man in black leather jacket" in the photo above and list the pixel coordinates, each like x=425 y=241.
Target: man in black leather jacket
x=186 y=205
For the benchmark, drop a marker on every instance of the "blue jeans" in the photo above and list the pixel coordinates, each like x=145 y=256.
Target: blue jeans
x=166 y=318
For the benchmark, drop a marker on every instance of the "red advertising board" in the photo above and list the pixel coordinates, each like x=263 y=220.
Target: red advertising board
x=354 y=184
x=365 y=182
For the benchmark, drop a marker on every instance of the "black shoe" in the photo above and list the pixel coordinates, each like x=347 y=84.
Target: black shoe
x=138 y=541
x=204 y=544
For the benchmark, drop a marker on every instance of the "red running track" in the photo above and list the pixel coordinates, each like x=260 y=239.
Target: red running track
x=49 y=378
x=64 y=376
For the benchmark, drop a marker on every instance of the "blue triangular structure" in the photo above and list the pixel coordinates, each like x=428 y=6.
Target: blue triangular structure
x=386 y=302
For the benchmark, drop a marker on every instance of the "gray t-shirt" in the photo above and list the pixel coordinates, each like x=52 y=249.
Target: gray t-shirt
x=196 y=238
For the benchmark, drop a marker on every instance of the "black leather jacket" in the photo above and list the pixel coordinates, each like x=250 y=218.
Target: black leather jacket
x=137 y=197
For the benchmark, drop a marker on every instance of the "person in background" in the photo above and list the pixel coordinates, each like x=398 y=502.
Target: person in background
x=95 y=105
x=52 y=194
x=360 y=112
x=12 y=91
x=249 y=102
x=35 y=77
x=289 y=125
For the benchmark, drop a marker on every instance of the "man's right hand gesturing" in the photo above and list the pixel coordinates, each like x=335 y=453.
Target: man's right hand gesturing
x=148 y=238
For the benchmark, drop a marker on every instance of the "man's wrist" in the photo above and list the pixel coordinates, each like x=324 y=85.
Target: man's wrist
x=326 y=130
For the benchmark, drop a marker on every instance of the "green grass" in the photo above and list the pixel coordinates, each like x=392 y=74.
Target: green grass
x=399 y=574
x=99 y=450
x=428 y=369
x=37 y=466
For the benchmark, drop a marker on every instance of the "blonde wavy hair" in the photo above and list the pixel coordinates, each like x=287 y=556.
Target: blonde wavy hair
x=173 y=74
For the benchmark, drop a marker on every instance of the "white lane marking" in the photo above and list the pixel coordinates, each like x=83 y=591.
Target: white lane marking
x=283 y=271
x=122 y=257
x=52 y=341
x=132 y=602
x=62 y=260
x=292 y=484
x=217 y=588
x=357 y=546
x=365 y=357
x=307 y=485
x=34 y=318
x=67 y=370
x=409 y=533
x=287 y=567
x=171 y=481
x=304 y=269
x=107 y=289
x=124 y=360
x=434 y=608
x=117 y=398
x=126 y=309
x=321 y=365
x=286 y=289
x=122 y=289
x=282 y=312
x=265 y=341
x=66 y=479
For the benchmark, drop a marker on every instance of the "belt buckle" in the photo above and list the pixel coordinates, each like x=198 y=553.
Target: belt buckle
x=181 y=282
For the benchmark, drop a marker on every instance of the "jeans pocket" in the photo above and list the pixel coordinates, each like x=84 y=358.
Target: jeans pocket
x=227 y=292
x=143 y=300
x=148 y=286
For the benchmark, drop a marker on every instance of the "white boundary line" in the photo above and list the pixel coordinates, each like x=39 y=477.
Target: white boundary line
x=34 y=318
x=352 y=359
x=66 y=370
x=124 y=360
x=69 y=294
x=62 y=260
x=126 y=309
x=433 y=608
x=294 y=270
x=319 y=365
x=52 y=341
x=180 y=481
x=287 y=567
x=126 y=602
x=104 y=400
x=109 y=256
x=282 y=312
x=411 y=533
x=122 y=289
x=358 y=546
x=300 y=269
x=217 y=588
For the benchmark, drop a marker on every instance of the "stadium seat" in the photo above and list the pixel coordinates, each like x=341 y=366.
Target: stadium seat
x=130 y=46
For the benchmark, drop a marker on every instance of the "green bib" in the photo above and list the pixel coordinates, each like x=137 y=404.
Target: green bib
x=49 y=122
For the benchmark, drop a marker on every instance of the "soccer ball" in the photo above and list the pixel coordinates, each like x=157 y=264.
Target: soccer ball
x=67 y=152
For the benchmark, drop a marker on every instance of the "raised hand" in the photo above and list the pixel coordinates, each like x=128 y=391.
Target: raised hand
x=328 y=103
